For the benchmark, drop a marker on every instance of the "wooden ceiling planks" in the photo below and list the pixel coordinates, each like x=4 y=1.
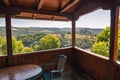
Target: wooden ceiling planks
x=6 y=2
x=51 y=5
x=40 y=16
x=69 y=5
x=24 y=3
x=64 y=2
x=40 y=4
x=52 y=8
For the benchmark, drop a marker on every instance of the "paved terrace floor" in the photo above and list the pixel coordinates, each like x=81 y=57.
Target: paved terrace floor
x=70 y=75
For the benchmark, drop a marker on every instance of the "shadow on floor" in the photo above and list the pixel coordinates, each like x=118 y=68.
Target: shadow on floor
x=70 y=75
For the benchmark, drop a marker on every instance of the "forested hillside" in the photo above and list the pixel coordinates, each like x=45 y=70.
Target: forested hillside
x=17 y=31
x=29 y=39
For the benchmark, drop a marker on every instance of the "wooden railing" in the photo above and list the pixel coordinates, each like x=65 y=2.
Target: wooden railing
x=98 y=67
x=3 y=61
x=38 y=57
x=94 y=65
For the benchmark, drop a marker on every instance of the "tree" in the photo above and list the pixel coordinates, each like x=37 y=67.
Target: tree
x=0 y=45
x=119 y=48
x=101 y=45
x=101 y=48
x=49 y=42
x=104 y=35
x=3 y=47
x=84 y=43
x=31 y=40
x=27 y=49
x=36 y=47
x=17 y=46
x=65 y=42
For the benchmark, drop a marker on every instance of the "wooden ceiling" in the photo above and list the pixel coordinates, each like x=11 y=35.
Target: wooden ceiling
x=62 y=10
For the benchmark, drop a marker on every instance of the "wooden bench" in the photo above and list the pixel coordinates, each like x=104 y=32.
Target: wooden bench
x=20 y=72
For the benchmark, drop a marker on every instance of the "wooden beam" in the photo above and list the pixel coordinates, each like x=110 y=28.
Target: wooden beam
x=93 y=5
x=18 y=17
x=34 y=11
x=42 y=12
x=40 y=4
x=6 y=2
x=114 y=33
x=34 y=16
x=12 y=11
x=69 y=5
x=107 y=4
x=59 y=5
x=73 y=31
x=9 y=39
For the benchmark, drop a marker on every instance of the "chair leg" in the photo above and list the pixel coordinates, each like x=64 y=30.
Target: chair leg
x=51 y=76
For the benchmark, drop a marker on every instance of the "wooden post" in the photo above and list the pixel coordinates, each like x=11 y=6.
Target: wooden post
x=73 y=39
x=73 y=31
x=9 y=38
x=114 y=33
x=113 y=42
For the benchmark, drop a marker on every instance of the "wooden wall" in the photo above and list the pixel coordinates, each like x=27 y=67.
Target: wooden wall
x=117 y=71
x=38 y=57
x=94 y=65
x=3 y=61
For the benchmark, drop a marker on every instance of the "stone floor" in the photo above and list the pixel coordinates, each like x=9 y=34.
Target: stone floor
x=70 y=75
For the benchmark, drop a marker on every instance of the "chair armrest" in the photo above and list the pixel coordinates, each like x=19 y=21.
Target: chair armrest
x=56 y=71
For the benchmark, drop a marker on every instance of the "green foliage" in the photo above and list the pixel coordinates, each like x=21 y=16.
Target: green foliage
x=36 y=47
x=101 y=48
x=3 y=47
x=104 y=35
x=119 y=49
x=102 y=43
x=84 y=43
x=0 y=46
x=49 y=42
x=65 y=42
x=119 y=41
x=19 y=31
x=17 y=46
x=31 y=40
x=27 y=49
x=31 y=37
x=86 y=32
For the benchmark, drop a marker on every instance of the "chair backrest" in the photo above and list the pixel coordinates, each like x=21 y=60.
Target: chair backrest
x=61 y=62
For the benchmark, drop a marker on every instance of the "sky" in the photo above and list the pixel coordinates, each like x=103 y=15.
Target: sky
x=97 y=19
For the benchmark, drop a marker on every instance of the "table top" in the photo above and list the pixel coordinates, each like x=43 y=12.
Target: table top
x=20 y=72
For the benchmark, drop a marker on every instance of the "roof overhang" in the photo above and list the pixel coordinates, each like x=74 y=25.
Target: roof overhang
x=59 y=10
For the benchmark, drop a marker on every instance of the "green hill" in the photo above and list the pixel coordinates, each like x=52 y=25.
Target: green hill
x=17 y=31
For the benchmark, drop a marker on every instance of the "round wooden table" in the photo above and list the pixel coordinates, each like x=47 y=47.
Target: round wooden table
x=20 y=72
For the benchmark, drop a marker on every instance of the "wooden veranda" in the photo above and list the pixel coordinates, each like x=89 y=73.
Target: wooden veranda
x=81 y=61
